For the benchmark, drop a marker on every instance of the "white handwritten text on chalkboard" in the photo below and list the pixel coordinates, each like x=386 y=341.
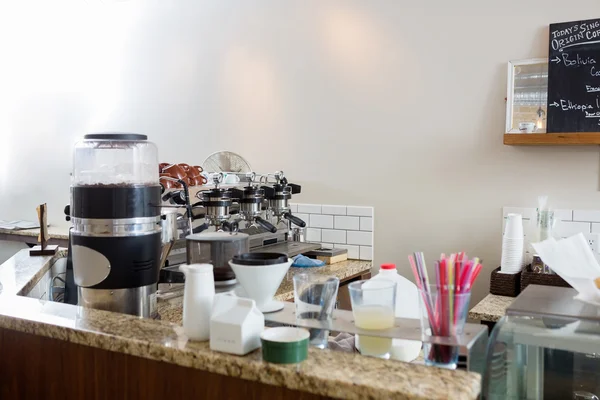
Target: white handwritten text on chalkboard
x=574 y=77
x=575 y=35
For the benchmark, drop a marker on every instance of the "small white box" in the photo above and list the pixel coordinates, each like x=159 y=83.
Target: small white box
x=235 y=325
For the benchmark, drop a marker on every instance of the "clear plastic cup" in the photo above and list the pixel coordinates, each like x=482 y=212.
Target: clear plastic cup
x=443 y=314
x=315 y=297
x=373 y=306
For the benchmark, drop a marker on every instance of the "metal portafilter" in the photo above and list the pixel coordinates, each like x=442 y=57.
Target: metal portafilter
x=279 y=196
x=250 y=204
x=217 y=204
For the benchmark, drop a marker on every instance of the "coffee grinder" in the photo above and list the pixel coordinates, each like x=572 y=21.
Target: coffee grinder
x=115 y=239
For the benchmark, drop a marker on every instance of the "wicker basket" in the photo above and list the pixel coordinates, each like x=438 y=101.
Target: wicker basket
x=505 y=284
x=531 y=278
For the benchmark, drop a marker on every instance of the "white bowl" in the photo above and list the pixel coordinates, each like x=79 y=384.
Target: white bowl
x=260 y=282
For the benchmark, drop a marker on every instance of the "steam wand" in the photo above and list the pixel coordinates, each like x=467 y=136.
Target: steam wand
x=186 y=195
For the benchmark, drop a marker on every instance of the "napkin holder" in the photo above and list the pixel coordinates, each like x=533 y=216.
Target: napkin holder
x=235 y=325
x=505 y=284
x=528 y=277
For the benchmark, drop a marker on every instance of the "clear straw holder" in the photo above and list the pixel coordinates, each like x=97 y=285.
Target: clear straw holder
x=443 y=315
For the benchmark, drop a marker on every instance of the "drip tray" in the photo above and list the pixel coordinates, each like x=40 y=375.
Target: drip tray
x=290 y=248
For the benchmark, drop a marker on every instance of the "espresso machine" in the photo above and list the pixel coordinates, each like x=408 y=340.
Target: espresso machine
x=115 y=240
x=258 y=205
x=216 y=204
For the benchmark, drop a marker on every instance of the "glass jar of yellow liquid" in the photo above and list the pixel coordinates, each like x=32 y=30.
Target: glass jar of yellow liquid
x=373 y=304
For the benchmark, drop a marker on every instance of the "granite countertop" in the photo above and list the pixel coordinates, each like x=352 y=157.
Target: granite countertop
x=325 y=372
x=172 y=310
x=20 y=273
x=491 y=308
x=55 y=232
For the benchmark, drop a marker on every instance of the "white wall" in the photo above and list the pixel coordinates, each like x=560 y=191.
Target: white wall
x=393 y=104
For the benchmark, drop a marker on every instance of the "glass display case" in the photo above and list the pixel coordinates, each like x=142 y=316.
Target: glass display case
x=527 y=96
x=546 y=347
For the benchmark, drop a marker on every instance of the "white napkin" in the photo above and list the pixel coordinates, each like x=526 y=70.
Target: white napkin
x=573 y=260
x=17 y=225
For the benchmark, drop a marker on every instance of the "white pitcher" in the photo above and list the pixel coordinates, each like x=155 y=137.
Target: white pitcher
x=197 y=300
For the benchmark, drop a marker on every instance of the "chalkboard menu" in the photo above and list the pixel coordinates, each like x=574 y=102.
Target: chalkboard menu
x=574 y=77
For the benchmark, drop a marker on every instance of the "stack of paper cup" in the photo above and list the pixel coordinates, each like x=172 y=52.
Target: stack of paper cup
x=512 y=245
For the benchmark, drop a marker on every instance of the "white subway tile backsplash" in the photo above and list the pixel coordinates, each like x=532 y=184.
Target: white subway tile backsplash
x=360 y=211
x=321 y=221
x=366 y=224
x=360 y=238
x=353 y=251
x=569 y=228
x=313 y=235
x=563 y=215
x=348 y=227
x=586 y=215
x=596 y=228
x=366 y=253
x=309 y=208
x=334 y=236
x=349 y=223
x=334 y=210
x=303 y=217
x=327 y=245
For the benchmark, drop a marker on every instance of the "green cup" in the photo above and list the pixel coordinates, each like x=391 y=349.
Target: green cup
x=285 y=345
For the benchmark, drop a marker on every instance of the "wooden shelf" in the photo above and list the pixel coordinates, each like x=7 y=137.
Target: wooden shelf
x=552 y=139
